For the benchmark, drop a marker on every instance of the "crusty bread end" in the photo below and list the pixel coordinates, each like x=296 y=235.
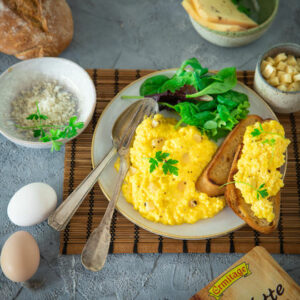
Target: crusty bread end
x=235 y=200
x=35 y=28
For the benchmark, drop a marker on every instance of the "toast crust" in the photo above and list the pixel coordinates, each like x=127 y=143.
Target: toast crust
x=216 y=172
x=235 y=200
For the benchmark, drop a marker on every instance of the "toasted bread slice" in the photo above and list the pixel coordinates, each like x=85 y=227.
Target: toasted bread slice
x=217 y=11
x=217 y=171
x=235 y=200
x=189 y=7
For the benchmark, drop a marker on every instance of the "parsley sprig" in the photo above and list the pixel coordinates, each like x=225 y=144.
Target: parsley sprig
x=167 y=166
x=261 y=192
x=270 y=142
x=52 y=133
x=258 y=131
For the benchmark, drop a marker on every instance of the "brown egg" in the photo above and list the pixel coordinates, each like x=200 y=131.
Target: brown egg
x=20 y=256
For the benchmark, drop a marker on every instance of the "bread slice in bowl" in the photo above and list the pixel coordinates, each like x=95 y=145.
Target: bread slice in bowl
x=222 y=12
x=217 y=171
x=191 y=10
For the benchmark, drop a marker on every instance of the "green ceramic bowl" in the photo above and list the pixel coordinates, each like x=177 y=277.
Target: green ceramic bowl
x=264 y=17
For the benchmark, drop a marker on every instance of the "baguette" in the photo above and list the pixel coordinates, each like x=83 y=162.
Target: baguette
x=235 y=200
x=217 y=171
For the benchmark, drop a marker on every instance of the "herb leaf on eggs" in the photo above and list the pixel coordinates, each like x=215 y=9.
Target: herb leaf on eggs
x=258 y=131
x=261 y=192
x=167 y=165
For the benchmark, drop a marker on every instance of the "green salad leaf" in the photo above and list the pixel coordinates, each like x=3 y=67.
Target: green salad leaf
x=194 y=63
x=222 y=82
x=161 y=83
x=152 y=85
x=177 y=81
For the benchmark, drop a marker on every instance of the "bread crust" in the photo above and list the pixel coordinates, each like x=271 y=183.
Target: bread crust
x=221 y=163
x=35 y=28
x=235 y=200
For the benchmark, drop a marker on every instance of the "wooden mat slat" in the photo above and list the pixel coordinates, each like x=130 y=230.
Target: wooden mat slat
x=129 y=238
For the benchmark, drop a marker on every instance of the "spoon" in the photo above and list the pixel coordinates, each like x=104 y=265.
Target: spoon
x=63 y=214
x=95 y=251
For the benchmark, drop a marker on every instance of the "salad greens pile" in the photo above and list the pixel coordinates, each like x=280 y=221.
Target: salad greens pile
x=184 y=93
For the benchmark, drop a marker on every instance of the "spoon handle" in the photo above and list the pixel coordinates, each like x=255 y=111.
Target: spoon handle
x=63 y=214
x=95 y=251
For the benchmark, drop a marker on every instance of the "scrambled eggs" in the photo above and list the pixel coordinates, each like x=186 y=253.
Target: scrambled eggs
x=167 y=198
x=258 y=165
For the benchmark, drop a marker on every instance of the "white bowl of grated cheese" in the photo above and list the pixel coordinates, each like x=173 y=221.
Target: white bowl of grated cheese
x=60 y=87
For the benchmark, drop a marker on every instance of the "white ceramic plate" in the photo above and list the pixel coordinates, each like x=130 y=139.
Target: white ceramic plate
x=224 y=222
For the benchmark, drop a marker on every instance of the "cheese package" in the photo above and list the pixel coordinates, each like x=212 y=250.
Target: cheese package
x=255 y=276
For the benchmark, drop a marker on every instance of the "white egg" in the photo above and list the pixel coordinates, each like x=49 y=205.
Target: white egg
x=32 y=204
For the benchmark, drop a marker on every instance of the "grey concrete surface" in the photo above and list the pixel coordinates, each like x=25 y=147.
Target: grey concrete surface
x=127 y=34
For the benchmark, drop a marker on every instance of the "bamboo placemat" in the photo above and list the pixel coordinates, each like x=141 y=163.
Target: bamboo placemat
x=129 y=238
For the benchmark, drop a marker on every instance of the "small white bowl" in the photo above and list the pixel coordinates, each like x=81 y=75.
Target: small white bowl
x=280 y=101
x=266 y=15
x=25 y=74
